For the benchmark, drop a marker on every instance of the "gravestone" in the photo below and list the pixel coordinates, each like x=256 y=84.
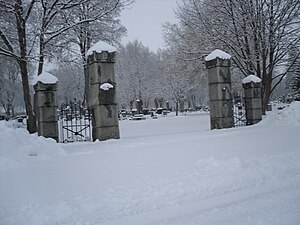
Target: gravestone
x=253 y=104
x=168 y=106
x=102 y=92
x=220 y=98
x=45 y=105
x=139 y=106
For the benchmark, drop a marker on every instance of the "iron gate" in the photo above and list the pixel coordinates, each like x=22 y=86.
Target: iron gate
x=239 y=112
x=75 y=123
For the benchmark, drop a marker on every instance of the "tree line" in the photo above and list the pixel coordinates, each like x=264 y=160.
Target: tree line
x=261 y=35
x=33 y=31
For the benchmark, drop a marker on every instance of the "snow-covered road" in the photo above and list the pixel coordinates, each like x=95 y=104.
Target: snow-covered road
x=170 y=171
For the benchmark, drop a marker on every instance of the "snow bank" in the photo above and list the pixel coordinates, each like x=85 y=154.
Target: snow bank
x=99 y=47
x=19 y=147
x=46 y=78
x=217 y=54
x=106 y=86
x=251 y=78
x=176 y=171
x=288 y=116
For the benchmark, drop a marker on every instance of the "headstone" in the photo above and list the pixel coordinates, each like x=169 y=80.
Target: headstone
x=253 y=104
x=102 y=92
x=168 y=106
x=139 y=106
x=220 y=98
x=45 y=105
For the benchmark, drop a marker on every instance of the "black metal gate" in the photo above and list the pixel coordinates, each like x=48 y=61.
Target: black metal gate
x=75 y=123
x=239 y=112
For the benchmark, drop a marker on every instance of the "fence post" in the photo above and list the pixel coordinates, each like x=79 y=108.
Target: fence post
x=253 y=104
x=102 y=92
x=45 y=105
x=220 y=98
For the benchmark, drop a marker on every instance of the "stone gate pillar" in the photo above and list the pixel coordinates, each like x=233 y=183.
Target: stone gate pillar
x=220 y=98
x=45 y=106
x=102 y=92
x=253 y=104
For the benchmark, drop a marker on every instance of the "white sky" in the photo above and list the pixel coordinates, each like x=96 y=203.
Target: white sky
x=143 y=21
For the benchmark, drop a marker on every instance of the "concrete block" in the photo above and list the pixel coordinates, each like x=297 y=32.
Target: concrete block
x=105 y=57
x=105 y=116
x=107 y=73
x=94 y=73
x=108 y=97
x=219 y=75
x=48 y=130
x=252 y=93
x=221 y=108
x=46 y=114
x=254 y=103
x=45 y=98
x=220 y=123
x=251 y=85
x=106 y=133
x=217 y=62
x=220 y=91
x=98 y=96
x=254 y=114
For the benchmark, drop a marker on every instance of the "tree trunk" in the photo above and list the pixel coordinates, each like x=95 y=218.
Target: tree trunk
x=266 y=93
x=21 y=27
x=177 y=108
x=87 y=84
x=31 y=122
x=41 y=57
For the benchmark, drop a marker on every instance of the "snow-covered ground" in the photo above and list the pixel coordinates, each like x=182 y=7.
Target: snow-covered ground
x=173 y=170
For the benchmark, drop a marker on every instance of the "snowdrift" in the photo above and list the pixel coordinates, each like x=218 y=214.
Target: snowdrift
x=19 y=147
x=169 y=171
x=288 y=116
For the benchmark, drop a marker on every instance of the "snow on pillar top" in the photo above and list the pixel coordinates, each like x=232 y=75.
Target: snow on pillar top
x=251 y=78
x=106 y=86
x=46 y=78
x=99 y=47
x=217 y=54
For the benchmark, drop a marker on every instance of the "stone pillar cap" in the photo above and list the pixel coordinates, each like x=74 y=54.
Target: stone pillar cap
x=99 y=47
x=217 y=54
x=45 y=78
x=251 y=78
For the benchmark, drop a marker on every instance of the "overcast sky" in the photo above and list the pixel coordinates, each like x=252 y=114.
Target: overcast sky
x=143 y=21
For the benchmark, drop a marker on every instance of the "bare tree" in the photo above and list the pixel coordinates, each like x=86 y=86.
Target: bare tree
x=71 y=81
x=104 y=26
x=258 y=33
x=10 y=84
x=14 y=45
x=293 y=74
x=138 y=74
x=178 y=80
x=30 y=30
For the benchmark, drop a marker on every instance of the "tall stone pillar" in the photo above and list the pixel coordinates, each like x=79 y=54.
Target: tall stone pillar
x=220 y=98
x=45 y=106
x=253 y=104
x=102 y=94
